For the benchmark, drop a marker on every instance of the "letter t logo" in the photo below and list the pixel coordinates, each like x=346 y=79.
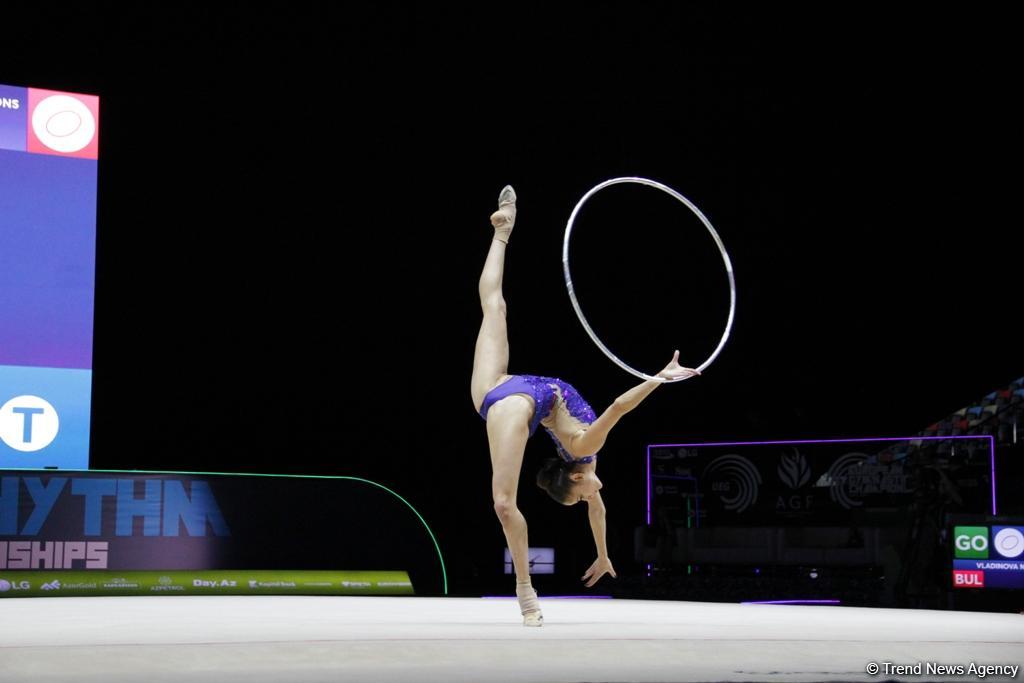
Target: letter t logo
x=28 y=423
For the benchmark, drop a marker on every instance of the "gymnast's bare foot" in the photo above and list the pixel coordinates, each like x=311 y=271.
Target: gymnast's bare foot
x=504 y=219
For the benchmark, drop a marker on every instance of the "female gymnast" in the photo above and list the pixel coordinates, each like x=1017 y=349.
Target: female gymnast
x=513 y=406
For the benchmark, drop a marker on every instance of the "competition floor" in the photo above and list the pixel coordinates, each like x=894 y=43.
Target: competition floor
x=281 y=639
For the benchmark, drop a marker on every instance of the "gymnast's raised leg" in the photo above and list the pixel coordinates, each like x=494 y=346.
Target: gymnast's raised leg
x=507 y=419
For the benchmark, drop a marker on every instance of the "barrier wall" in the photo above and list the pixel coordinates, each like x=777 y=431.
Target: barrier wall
x=101 y=526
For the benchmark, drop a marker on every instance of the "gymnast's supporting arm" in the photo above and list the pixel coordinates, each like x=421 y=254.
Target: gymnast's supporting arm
x=602 y=564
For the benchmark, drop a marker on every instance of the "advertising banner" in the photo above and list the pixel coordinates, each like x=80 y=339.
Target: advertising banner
x=803 y=483
x=35 y=584
x=183 y=526
x=49 y=150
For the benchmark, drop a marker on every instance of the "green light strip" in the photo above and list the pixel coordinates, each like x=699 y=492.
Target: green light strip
x=444 y=573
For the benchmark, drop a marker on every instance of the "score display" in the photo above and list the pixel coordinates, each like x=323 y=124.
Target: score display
x=49 y=154
x=988 y=556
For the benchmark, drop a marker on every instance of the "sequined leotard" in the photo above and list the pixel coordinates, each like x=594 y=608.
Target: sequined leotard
x=544 y=396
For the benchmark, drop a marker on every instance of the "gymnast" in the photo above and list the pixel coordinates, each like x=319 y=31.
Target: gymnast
x=513 y=406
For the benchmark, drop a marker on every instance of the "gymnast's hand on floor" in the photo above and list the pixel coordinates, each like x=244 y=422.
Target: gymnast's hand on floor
x=601 y=566
x=675 y=371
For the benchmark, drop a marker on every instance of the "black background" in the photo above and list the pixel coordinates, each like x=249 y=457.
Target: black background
x=293 y=217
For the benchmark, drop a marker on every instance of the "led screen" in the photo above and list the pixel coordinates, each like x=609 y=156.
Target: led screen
x=49 y=149
x=988 y=556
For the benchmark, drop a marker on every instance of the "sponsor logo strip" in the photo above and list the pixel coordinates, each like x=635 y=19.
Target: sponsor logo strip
x=21 y=584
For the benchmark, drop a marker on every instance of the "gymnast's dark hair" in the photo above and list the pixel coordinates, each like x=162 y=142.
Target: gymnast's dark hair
x=553 y=477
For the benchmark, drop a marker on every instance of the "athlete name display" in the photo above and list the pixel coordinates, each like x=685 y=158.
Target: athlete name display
x=988 y=555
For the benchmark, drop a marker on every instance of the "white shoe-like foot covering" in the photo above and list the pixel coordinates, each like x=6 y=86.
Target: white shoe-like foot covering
x=504 y=219
x=529 y=606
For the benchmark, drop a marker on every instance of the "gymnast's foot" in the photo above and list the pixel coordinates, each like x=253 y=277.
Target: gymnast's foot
x=504 y=218
x=528 y=604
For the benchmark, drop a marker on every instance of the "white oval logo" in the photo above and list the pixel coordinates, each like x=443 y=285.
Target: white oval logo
x=1009 y=543
x=63 y=123
x=28 y=423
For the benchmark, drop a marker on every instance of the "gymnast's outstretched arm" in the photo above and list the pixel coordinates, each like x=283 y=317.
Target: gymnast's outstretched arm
x=592 y=439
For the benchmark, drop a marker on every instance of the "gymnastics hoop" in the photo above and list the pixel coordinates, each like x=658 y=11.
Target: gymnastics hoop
x=576 y=304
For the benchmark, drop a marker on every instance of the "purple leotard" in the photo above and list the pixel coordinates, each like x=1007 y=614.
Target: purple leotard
x=544 y=396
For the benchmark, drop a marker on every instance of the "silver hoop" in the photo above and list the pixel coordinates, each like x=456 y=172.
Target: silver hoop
x=576 y=305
